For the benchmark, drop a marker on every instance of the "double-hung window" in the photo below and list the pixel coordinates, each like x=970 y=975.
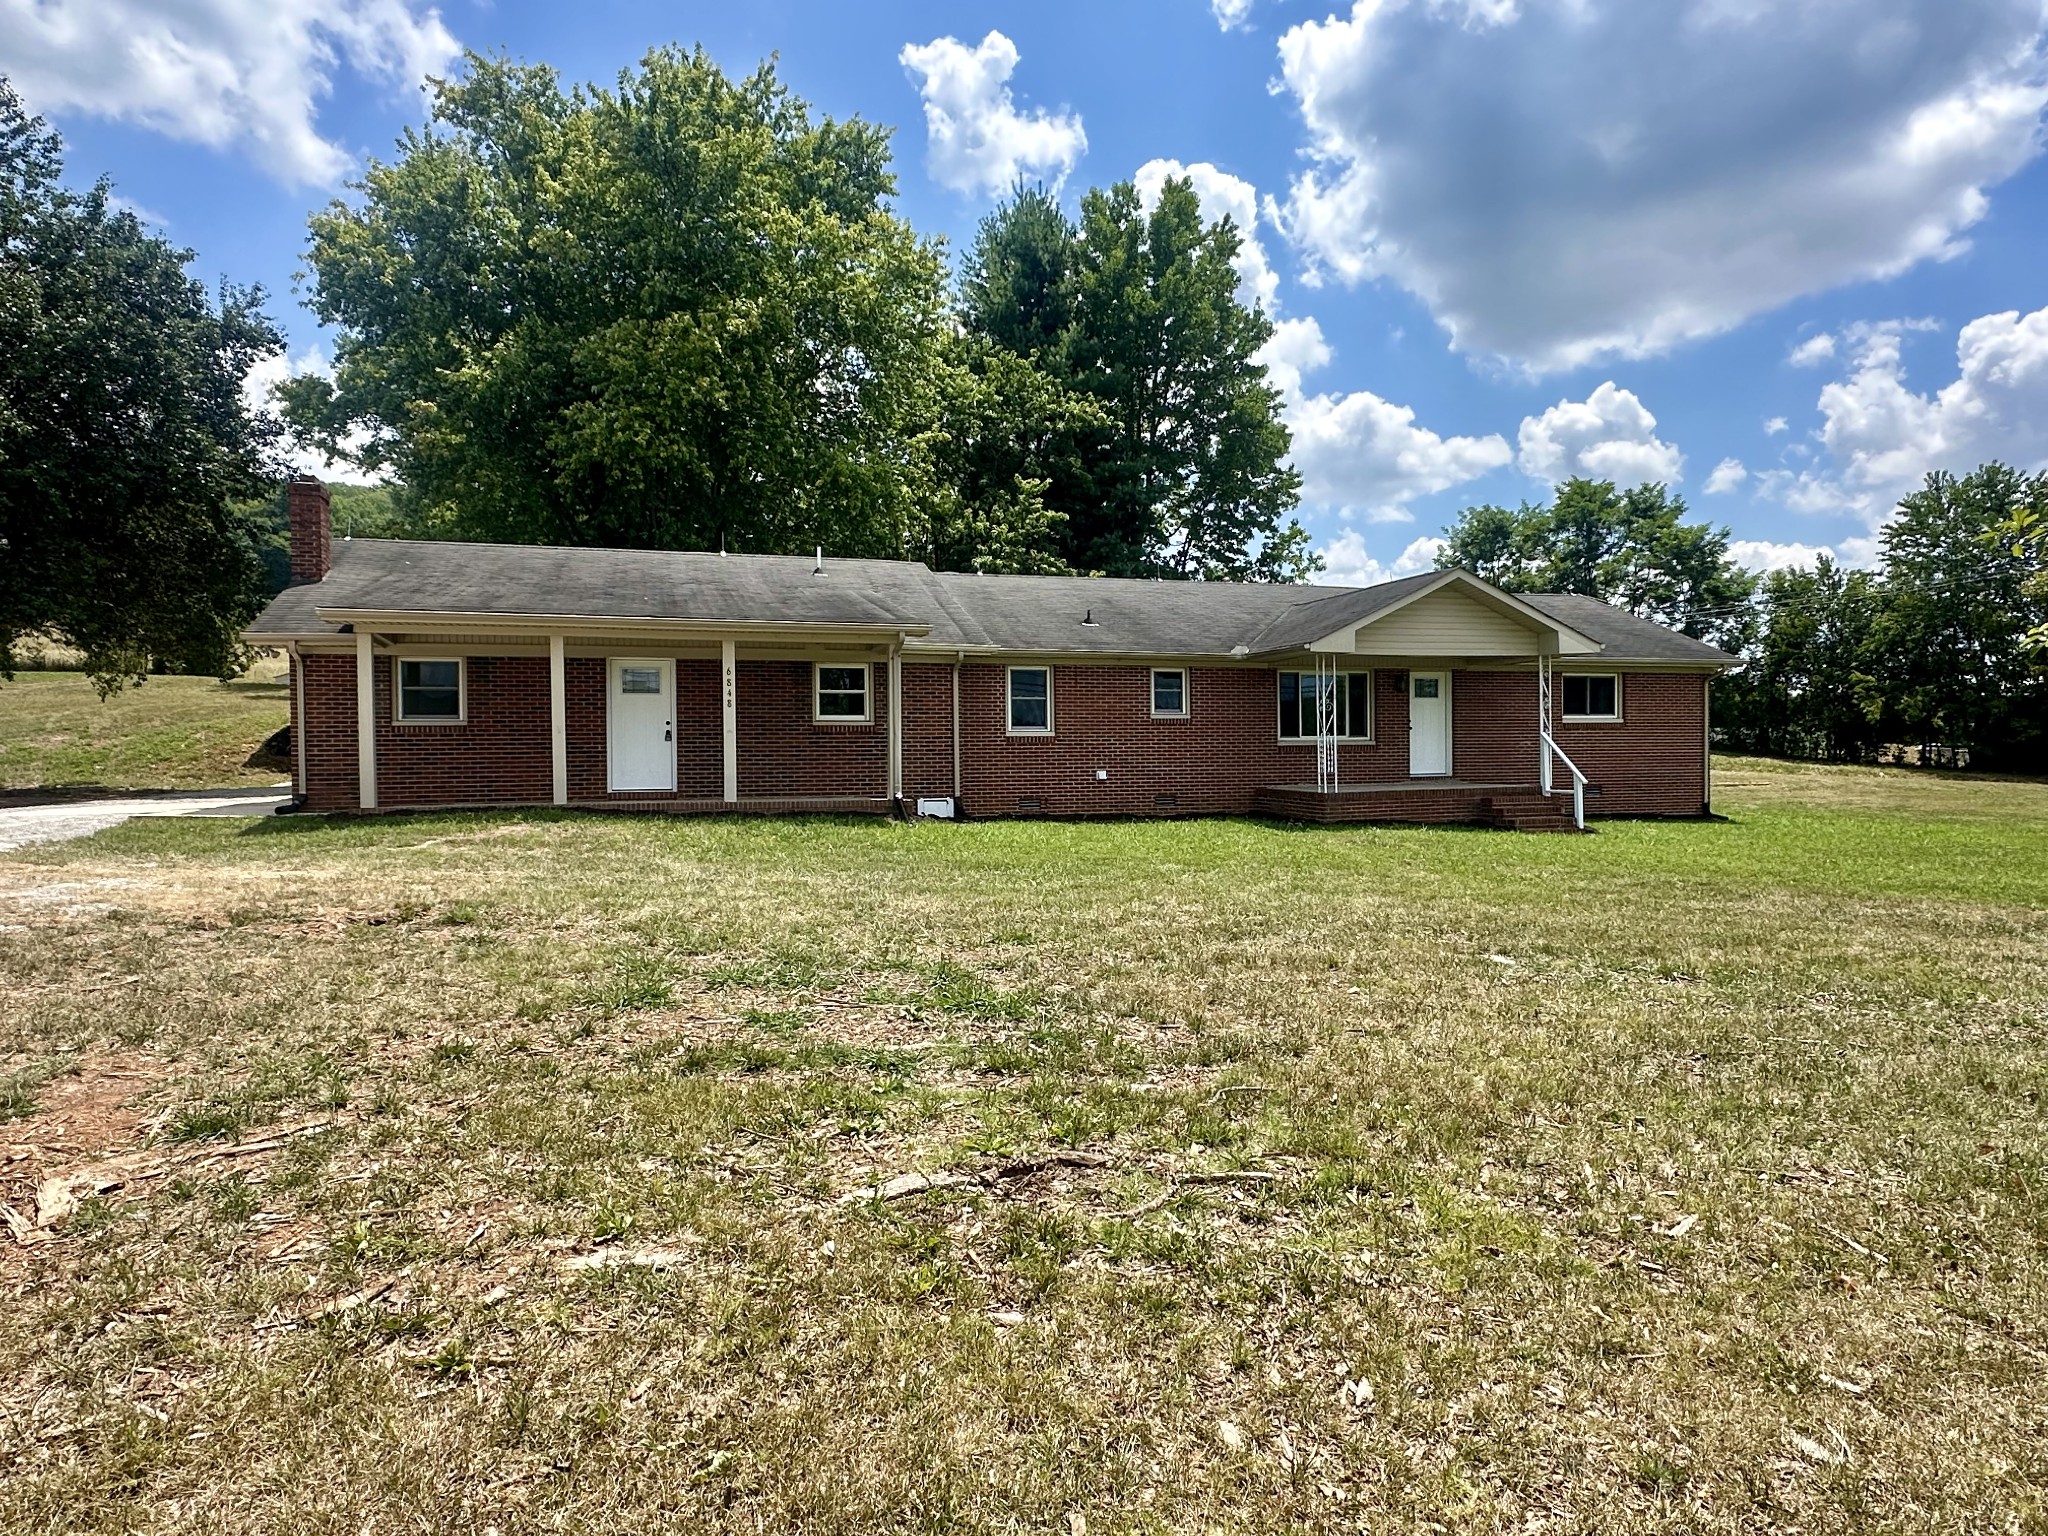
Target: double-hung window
x=1031 y=701
x=842 y=694
x=1300 y=705
x=1592 y=696
x=430 y=690
x=1169 y=693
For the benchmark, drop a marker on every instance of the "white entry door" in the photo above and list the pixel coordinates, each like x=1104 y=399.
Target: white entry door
x=640 y=723
x=1429 y=723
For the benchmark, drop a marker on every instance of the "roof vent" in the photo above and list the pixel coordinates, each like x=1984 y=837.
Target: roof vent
x=1088 y=618
x=819 y=568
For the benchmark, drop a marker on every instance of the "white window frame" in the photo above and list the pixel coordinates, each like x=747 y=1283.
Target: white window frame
x=398 y=714
x=1010 y=703
x=1613 y=719
x=1187 y=705
x=1372 y=709
x=867 y=696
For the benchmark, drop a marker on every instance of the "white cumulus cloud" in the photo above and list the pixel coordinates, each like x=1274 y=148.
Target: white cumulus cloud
x=1881 y=436
x=257 y=387
x=1221 y=193
x=976 y=139
x=240 y=74
x=1775 y=425
x=1813 y=351
x=1610 y=435
x=1230 y=13
x=1347 y=562
x=1360 y=455
x=1727 y=475
x=1565 y=180
x=1762 y=555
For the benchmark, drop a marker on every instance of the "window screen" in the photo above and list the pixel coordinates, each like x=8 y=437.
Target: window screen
x=1030 y=699
x=1298 y=705
x=1596 y=696
x=842 y=693
x=1169 y=693
x=639 y=679
x=430 y=690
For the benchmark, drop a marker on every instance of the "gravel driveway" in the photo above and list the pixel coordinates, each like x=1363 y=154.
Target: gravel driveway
x=24 y=824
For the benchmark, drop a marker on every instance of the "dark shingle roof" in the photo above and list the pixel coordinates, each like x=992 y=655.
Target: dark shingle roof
x=410 y=576
x=1038 y=614
x=1622 y=633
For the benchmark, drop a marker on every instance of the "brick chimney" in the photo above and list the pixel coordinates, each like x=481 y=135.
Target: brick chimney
x=306 y=510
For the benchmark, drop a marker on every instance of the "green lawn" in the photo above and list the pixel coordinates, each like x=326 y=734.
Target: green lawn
x=165 y=733
x=505 y=1173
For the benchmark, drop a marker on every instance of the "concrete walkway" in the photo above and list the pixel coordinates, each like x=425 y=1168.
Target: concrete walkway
x=24 y=824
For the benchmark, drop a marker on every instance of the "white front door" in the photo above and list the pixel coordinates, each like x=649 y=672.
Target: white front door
x=1429 y=724
x=640 y=723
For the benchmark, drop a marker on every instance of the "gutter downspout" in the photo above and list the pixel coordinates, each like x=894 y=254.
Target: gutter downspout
x=957 y=657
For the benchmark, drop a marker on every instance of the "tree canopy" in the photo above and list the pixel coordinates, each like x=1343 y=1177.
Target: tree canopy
x=1180 y=469
x=1632 y=548
x=124 y=440
x=659 y=315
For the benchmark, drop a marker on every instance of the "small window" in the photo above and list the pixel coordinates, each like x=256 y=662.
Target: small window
x=1593 y=696
x=430 y=691
x=1299 y=709
x=1030 y=701
x=1429 y=687
x=639 y=679
x=1169 y=693
x=842 y=693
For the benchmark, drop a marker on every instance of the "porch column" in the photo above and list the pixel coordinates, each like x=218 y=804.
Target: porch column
x=301 y=784
x=729 y=669
x=366 y=720
x=558 y=715
x=896 y=724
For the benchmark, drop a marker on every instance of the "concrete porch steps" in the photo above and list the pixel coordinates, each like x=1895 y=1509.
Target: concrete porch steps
x=1512 y=807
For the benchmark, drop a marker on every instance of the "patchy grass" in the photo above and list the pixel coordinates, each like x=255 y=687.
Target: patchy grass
x=164 y=733
x=507 y=1171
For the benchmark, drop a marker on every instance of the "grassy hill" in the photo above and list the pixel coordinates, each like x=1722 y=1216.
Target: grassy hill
x=166 y=733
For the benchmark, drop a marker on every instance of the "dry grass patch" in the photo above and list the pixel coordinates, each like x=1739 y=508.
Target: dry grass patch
x=540 y=1172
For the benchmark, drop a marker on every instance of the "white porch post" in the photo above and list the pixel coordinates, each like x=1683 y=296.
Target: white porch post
x=300 y=784
x=558 y=715
x=366 y=720
x=896 y=723
x=1543 y=768
x=729 y=674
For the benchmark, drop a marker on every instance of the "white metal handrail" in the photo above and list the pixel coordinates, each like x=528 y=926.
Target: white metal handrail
x=1578 y=779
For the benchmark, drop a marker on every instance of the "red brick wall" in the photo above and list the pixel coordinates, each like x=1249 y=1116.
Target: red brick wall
x=1213 y=761
x=784 y=752
x=311 y=537
x=1652 y=762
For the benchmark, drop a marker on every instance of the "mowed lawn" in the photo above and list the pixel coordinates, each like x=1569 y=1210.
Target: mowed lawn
x=162 y=733
x=519 y=1173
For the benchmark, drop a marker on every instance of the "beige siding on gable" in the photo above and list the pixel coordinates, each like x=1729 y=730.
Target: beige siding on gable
x=1447 y=623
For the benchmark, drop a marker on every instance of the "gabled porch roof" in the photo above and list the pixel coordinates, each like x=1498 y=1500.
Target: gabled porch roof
x=1445 y=613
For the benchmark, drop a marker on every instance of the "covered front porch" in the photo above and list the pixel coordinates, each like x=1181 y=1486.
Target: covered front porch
x=1464 y=675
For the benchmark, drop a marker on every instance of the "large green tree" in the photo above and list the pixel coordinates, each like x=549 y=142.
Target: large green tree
x=124 y=440
x=1634 y=548
x=664 y=314
x=1960 y=602
x=1181 y=469
x=1815 y=680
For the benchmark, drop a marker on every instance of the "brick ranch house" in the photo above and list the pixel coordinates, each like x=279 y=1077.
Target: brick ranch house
x=440 y=675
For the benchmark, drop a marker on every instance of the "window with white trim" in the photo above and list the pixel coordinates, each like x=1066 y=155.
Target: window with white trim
x=1169 y=693
x=1031 y=701
x=842 y=693
x=429 y=690
x=1591 y=695
x=1298 y=696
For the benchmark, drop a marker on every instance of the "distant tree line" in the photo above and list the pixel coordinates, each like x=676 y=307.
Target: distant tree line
x=1939 y=654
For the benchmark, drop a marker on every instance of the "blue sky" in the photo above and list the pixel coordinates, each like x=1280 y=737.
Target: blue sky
x=1783 y=254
